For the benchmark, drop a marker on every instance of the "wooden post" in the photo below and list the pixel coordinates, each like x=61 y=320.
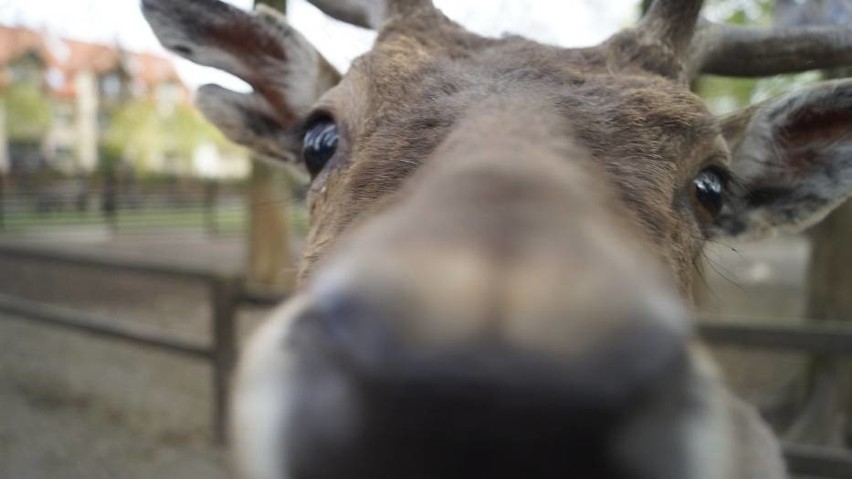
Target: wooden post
x=211 y=200
x=830 y=274
x=2 y=200
x=5 y=166
x=830 y=299
x=825 y=418
x=223 y=298
x=270 y=263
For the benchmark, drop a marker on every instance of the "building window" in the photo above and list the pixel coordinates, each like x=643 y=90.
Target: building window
x=168 y=96
x=27 y=69
x=63 y=114
x=111 y=87
x=64 y=158
x=55 y=78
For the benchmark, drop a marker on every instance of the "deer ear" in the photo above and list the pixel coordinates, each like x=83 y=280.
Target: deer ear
x=791 y=160
x=286 y=72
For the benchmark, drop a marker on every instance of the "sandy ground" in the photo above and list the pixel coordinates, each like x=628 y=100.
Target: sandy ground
x=72 y=406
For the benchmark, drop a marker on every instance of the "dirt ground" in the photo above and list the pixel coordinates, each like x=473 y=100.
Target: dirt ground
x=72 y=406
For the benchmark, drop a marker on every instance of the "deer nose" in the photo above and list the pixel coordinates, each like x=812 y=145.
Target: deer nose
x=375 y=306
x=618 y=347
x=348 y=326
x=476 y=405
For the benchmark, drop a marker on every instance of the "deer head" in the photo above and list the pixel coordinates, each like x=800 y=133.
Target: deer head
x=503 y=235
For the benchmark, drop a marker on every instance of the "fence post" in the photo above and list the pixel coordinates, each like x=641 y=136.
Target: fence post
x=223 y=291
x=2 y=198
x=211 y=200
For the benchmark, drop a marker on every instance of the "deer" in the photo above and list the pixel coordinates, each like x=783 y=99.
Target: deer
x=504 y=237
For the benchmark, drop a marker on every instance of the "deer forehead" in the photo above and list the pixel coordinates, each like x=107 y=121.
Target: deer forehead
x=425 y=72
x=400 y=101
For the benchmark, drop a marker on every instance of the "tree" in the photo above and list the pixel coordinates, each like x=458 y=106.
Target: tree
x=28 y=111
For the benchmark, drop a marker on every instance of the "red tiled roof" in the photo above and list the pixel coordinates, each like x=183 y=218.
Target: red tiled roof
x=64 y=58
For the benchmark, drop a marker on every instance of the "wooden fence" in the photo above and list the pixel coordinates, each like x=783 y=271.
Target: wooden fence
x=807 y=337
x=226 y=294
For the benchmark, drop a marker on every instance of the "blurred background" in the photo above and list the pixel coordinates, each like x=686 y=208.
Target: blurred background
x=137 y=245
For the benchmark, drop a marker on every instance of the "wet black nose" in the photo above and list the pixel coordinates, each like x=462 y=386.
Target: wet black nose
x=372 y=402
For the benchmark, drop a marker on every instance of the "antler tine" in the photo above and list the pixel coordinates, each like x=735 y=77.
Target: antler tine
x=258 y=47
x=673 y=23
x=368 y=13
x=752 y=51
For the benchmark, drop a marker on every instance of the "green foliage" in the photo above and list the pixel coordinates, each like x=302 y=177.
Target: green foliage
x=184 y=129
x=28 y=112
x=133 y=131
x=740 y=12
x=138 y=130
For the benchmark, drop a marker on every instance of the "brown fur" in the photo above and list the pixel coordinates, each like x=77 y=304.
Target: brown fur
x=520 y=217
x=650 y=133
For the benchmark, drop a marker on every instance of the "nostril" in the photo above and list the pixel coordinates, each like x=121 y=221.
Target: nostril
x=345 y=326
x=644 y=355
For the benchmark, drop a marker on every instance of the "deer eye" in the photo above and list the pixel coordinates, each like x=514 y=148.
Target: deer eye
x=319 y=145
x=709 y=190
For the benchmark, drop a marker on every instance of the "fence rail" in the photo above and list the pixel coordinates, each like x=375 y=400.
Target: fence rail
x=224 y=290
x=812 y=337
x=818 y=462
x=809 y=337
x=226 y=293
x=130 y=332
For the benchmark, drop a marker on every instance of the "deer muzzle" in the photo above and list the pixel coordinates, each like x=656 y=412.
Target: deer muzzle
x=497 y=320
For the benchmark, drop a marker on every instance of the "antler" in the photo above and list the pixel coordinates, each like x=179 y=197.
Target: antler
x=368 y=13
x=660 y=42
x=751 y=52
x=672 y=23
x=287 y=73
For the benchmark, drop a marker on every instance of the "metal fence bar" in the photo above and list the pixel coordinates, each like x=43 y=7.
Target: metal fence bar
x=818 y=461
x=133 y=333
x=816 y=338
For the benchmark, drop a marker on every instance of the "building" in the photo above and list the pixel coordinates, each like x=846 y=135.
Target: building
x=61 y=97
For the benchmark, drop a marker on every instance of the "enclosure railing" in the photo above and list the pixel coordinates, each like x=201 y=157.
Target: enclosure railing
x=808 y=337
x=226 y=293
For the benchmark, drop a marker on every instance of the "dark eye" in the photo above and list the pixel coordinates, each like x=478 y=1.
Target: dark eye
x=709 y=190
x=319 y=145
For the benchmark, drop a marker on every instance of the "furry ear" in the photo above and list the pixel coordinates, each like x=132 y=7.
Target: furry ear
x=286 y=72
x=792 y=159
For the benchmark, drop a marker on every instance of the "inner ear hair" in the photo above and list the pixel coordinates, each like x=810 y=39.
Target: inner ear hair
x=793 y=157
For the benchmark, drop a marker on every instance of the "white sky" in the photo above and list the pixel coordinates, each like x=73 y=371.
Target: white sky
x=559 y=22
